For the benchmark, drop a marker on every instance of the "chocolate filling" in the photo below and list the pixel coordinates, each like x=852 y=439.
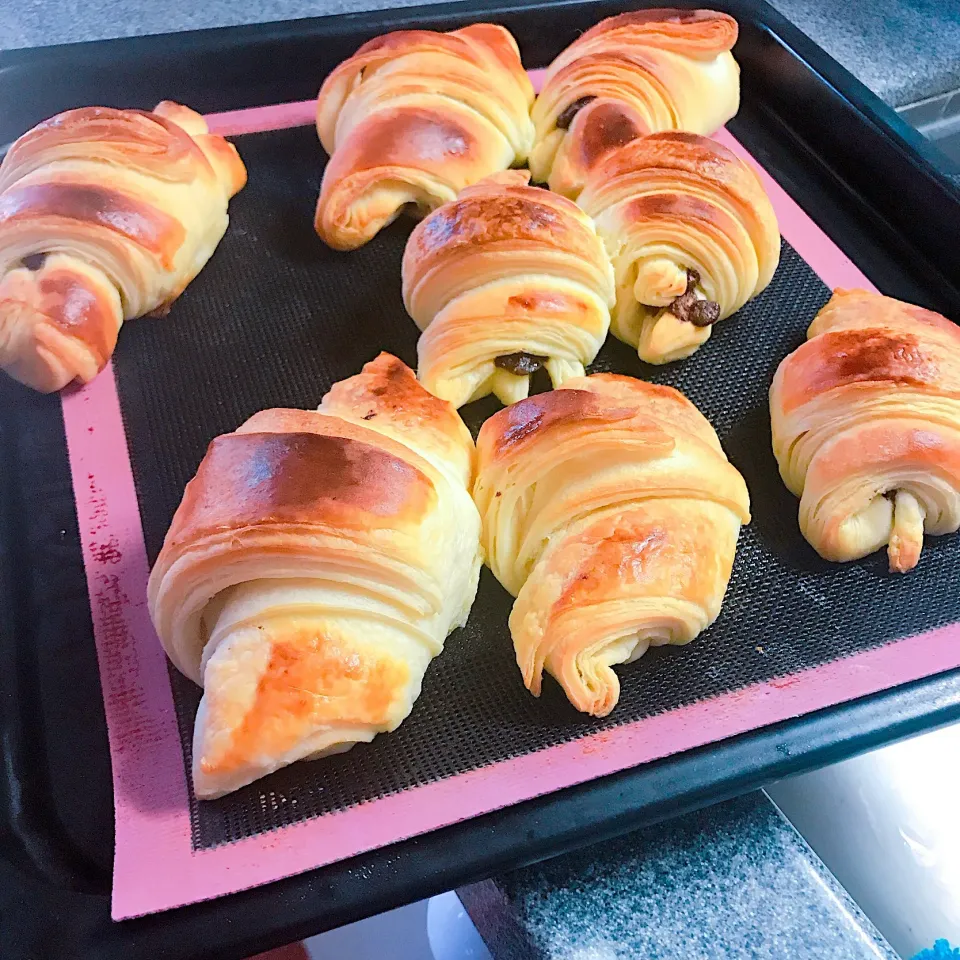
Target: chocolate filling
x=690 y=308
x=566 y=116
x=520 y=363
x=34 y=261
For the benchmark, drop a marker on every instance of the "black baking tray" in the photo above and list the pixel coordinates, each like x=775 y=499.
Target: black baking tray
x=873 y=184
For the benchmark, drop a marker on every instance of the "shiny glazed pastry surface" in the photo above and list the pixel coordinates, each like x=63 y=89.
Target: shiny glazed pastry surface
x=692 y=236
x=504 y=280
x=105 y=215
x=411 y=119
x=314 y=568
x=866 y=427
x=637 y=73
x=612 y=514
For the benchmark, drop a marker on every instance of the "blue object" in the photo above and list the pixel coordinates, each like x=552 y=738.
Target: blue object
x=941 y=950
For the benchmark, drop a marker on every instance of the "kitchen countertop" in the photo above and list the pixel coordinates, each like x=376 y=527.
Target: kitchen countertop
x=734 y=880
x=904 y=50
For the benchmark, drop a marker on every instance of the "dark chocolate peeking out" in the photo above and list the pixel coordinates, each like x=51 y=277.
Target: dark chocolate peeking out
x=566 y=116
x=520 y=363
x=690 y=308
x=34 y=261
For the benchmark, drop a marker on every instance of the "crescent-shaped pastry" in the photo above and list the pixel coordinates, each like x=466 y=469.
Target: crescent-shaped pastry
x=314 y=568
x=692 y=236
x=866 y=428
x=105 y=215
x=411 y=119
x=637 y=73
x=504 y=280
x=612 y=514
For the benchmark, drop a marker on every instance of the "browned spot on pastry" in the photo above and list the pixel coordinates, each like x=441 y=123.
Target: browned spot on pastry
x=515 y=424
x=397 y=390
x=79 y=312
x=700 y=29
x=475 y=220
x=312 y=679
x=853 y=356
x=670 y=205
x=624 y=556
x=425 y=135
x=565 y=117
x=546 y=302
x=247 y=479
x=388 y=387
x=608 y=127
x=140 y=222
x=520 y=363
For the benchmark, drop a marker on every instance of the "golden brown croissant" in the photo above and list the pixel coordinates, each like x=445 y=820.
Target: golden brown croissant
x=637 y=73
x=692 y=235
x=412 y=118
x=612 y=514
x=505 y=279
x=105 y=215
x=866 y=427
x=313 y=570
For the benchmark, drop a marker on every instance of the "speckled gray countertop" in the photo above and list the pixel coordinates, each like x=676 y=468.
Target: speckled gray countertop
x=732 y=881
x=904 y=50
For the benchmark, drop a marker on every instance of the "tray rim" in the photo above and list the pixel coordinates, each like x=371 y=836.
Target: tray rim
x=791 y=753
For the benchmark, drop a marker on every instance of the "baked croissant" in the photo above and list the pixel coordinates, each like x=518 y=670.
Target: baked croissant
x=866 y=428
x=692 y=235
x=504 y=280
x=105 y=215
x=612 y=514
x=314 y=568
x=633 y=74
x=411 y=119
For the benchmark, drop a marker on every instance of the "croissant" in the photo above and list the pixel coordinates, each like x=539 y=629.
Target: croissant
x=412 y=118
x=692 y=234
x=504 y=280
x=105 y=215
x=314 y=568
x=612 y=514
x=866 y=428
x=637 y=73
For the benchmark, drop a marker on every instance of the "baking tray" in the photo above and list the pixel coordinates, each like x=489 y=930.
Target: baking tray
x=856 y=169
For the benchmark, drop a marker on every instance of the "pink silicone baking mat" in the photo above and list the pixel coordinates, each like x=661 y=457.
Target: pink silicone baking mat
x=153 y=825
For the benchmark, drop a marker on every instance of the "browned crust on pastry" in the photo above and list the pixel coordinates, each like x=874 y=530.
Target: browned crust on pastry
x=313 y=677
x=508 y=429
x=407 y=136
x=143 y=223
x=493 y=213
x=604 y=128
x=681 y=151
x=388 y=386
x=78 y=311
x=145 y=140
x=707 y=29
x=251 y=479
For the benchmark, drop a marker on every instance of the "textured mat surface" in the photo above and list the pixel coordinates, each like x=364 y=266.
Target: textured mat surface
x=276 y=317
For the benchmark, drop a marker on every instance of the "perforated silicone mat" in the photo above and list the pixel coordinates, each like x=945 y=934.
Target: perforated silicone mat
x=276 y=317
